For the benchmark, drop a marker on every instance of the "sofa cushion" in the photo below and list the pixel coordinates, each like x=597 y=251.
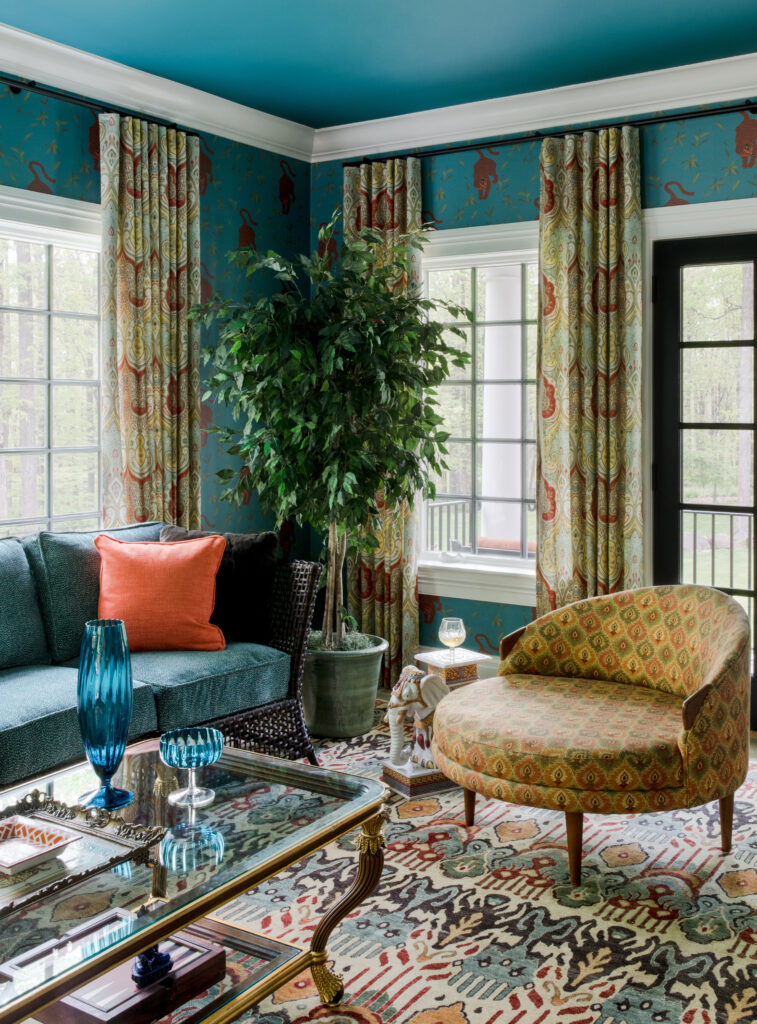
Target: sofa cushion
x=66 y=569
x=564 y=733
x=244 y=584
x=22 y=635
x=39 y=727
x=197 y=686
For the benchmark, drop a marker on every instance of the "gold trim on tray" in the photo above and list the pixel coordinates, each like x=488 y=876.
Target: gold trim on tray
x=125 y=840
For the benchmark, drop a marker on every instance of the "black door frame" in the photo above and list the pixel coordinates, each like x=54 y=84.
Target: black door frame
x=669 y=257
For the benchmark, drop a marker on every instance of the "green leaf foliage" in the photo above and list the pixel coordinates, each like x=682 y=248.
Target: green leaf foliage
x=332 y=381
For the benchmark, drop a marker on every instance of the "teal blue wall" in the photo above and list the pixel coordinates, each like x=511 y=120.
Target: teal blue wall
x=690 y=161
x=52 y=146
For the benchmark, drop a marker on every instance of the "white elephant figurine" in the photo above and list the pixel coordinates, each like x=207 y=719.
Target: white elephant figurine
x=423 y=731
x=413 y=692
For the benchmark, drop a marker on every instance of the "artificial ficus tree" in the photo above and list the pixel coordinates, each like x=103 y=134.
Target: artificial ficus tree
x=331 y=381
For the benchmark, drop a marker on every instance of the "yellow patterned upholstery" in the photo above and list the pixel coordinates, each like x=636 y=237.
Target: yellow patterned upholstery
x=634 y=702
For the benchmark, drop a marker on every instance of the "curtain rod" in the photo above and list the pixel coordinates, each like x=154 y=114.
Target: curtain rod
x=537 y=136
x=16 y=85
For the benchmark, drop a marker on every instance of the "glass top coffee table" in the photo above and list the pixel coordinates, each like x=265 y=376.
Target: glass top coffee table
x=163 y=868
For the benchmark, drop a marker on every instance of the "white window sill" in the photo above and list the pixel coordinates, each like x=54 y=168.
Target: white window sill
x=475 y=582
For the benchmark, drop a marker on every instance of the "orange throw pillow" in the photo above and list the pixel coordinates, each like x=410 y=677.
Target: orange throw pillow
x=165 y=593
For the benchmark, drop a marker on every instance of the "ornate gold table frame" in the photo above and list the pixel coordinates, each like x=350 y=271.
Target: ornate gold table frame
x=284 y=960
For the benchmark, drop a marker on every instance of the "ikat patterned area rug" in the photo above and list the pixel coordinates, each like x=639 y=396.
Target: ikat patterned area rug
x=480 y=925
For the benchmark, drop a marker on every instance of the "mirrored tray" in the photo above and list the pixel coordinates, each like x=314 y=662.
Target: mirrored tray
x=100 y=840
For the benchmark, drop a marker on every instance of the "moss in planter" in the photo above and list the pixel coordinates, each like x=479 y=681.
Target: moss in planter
x=353 y=641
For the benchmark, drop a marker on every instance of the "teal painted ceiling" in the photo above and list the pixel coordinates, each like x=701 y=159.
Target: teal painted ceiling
x=323 y=62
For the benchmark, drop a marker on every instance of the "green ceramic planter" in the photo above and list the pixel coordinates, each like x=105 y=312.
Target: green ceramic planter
x=339 y=690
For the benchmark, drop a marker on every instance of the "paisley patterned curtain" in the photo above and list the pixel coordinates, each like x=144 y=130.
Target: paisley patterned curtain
x=150 y=190
x=382 y=586
x=589 y=511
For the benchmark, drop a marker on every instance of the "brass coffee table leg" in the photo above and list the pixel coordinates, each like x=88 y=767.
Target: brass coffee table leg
x=370 y=844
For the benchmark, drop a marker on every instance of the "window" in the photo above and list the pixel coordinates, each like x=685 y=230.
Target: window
x=705 y=336
x=485 y=507
x=49 y=382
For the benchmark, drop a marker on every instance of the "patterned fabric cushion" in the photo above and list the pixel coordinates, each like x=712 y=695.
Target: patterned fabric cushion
x=667 y=638
x=66 y=569
x=564 y=733
x=39 y=727
x=22 y=635
x=198 y=686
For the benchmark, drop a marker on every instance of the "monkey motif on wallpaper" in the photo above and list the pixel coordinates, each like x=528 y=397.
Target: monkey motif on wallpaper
x=485 y=173
x=206 y=284
x=746 y=140
x=206 y=166
x=246 y=235
x=676 y=199
x=286 y=186
x=37 y=184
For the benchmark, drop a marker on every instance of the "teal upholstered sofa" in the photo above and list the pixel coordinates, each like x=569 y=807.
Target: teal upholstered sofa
x=49 y=587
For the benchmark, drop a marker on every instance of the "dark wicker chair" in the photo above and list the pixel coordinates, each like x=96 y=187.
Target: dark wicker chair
x=279 y=728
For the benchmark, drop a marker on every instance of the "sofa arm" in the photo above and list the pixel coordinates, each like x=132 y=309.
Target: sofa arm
x=294 y=588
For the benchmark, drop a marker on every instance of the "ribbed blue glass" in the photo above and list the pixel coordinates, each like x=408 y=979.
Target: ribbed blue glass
x=191 y=847
x=105 y=699
x=191 y=748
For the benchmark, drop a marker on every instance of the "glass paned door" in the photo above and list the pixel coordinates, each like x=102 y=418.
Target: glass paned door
x=704 y=415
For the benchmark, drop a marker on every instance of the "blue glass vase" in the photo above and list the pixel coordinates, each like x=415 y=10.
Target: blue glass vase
x=105 y=699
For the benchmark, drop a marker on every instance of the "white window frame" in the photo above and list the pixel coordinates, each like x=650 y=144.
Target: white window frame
x=481 y=578
x=51 y=220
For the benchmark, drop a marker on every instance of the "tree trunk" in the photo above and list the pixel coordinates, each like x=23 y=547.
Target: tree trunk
x=328 y=611
x=339 y=595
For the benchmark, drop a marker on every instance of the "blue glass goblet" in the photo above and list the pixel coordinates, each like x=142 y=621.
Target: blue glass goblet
x=191 y=749
x=105 y=698
x=188 y=847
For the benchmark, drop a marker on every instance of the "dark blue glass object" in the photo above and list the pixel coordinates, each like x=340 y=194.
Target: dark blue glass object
x=105 y=698
x=192 y=749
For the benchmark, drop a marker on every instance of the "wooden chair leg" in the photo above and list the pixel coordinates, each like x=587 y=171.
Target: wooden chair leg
x=470 y=805
x=574 y=824
x=726 y=822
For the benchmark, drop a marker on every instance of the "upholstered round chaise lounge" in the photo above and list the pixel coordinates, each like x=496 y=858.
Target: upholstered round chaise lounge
x=634 y=702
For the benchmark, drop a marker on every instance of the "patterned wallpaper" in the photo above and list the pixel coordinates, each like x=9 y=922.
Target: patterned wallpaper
x=697 y=161
x=694 y=161
x=249 y=196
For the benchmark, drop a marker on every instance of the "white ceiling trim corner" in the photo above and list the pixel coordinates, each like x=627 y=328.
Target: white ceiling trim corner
x=105 y=81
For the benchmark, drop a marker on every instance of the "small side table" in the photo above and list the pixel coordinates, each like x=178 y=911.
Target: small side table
x=464 y=669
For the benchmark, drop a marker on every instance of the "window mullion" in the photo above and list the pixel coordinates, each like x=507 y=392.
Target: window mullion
x=49 y=402
x=474 y=414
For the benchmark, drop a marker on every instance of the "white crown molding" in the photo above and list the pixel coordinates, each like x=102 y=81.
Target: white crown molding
x=692 y=85
x=40 y=217
x=105 y=81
